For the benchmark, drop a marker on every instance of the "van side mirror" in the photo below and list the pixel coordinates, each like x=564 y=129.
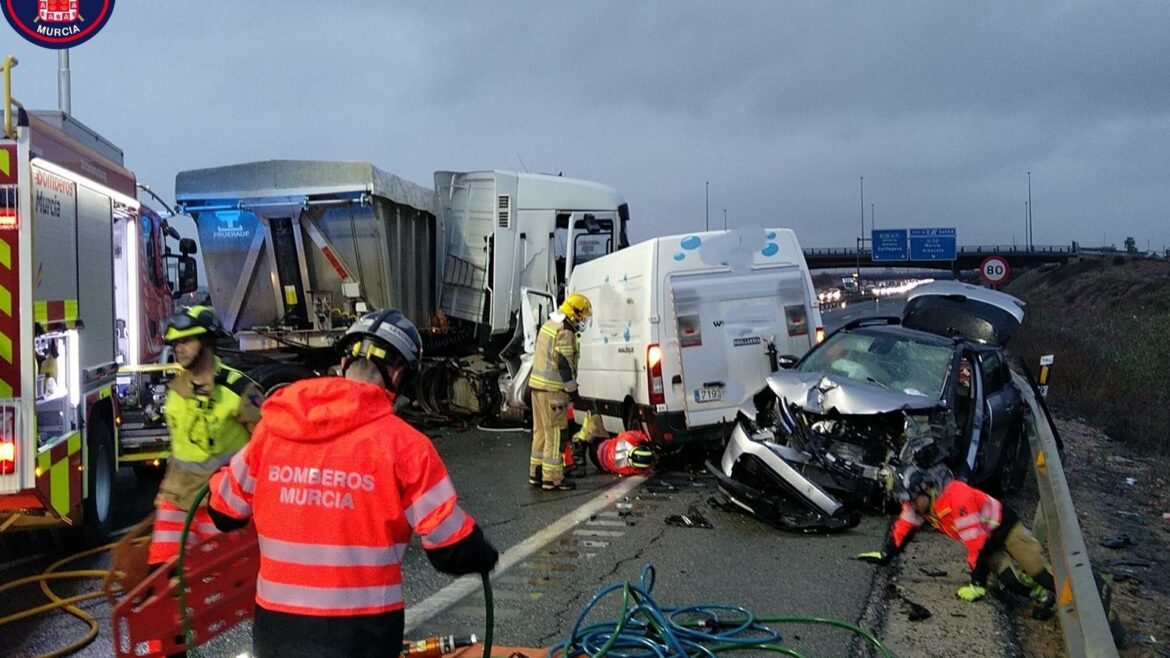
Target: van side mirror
x=188 y=273
x=786 y=361
x=187 y=247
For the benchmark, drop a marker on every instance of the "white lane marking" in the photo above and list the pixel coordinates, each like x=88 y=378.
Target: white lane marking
x=419 y=614
x=585 y=532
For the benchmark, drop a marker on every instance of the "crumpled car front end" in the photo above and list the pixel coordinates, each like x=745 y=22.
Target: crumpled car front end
x=832 y=443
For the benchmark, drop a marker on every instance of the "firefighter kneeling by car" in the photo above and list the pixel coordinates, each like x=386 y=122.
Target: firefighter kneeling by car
x=991 y=531
x=628 y=453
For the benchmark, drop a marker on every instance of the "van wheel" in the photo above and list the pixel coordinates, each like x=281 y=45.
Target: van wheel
x=632 y=420
x=99 y=492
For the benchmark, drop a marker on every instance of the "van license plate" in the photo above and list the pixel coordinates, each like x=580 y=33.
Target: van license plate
x=709 y=394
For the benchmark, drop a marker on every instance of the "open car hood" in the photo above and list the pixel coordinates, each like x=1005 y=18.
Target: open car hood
x=821 y=393
x=950 y=308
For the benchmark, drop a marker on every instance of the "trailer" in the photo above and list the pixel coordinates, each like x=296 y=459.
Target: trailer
x=295 y=250
x=84 y=296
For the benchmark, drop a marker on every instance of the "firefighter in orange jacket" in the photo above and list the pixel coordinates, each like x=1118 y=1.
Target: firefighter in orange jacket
x=336 y=484
x=628 y=453
x=992 y=533
x=211 y=410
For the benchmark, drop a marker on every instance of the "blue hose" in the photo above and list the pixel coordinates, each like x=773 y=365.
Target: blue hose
x=644 y=629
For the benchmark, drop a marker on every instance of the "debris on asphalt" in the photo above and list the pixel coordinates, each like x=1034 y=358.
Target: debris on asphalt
x=1117 y=541
x=933 y=573
x=623 y=507
x=1131 y=481
x=692 y=519
x=1125 y=562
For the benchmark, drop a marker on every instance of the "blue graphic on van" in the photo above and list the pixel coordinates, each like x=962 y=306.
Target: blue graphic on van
x=770 y=249
x=692 y=242
x=680 y=256
x=771 y=235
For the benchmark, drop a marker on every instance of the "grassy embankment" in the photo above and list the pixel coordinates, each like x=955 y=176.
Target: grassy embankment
x=1107 y=321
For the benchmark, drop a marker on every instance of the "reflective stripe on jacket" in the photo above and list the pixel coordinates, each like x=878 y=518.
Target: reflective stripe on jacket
x=554 y=363
x=613 y=455
x=336 y=484
x=961 y=512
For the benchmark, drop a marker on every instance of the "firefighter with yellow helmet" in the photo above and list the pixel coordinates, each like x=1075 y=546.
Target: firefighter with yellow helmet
x=211 y=410
x=553 y=383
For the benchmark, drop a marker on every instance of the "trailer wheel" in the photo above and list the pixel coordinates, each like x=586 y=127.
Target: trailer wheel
x=99 y=493
x=272 y=378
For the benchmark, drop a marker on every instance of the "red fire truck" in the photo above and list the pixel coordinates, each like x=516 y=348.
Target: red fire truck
x=84 y=295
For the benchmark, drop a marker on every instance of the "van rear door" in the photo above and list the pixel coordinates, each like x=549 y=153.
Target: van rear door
x=730 y=326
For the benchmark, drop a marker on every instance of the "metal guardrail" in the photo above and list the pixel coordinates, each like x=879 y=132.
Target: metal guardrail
x=1083 y=621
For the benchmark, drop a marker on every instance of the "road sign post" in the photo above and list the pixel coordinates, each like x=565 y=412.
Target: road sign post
x=994 y=270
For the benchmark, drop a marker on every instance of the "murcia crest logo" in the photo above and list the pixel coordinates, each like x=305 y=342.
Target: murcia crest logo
x=57 y=23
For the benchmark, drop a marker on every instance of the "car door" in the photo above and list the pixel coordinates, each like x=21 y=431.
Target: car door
x=1003 y=407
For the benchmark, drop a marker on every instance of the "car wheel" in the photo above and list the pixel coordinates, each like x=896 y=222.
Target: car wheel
x=1012 y=467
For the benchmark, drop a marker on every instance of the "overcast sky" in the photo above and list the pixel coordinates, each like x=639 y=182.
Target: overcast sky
x=942 y=107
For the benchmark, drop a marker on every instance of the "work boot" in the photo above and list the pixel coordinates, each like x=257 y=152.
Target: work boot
x=534 y=480
x=578 y=468
x=563 y=485
x=1042 y=597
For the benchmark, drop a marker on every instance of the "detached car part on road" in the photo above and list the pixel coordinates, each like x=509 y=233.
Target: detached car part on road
x=931 y=388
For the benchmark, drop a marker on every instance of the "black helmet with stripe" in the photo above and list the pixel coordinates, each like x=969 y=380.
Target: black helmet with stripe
x=389 y=340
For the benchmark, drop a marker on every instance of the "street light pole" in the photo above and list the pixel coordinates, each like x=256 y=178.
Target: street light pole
x=725 y=219
x=1029 y=211
x=707 y=194
x=872 y=226
x=1026 y=219
x=861 y=237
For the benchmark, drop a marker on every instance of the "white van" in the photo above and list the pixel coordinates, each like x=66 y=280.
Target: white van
x=686 y=327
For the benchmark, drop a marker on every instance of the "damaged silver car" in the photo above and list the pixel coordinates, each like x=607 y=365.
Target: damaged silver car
x=929 y=388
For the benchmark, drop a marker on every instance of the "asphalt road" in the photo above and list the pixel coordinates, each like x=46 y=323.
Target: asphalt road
x=553 y=562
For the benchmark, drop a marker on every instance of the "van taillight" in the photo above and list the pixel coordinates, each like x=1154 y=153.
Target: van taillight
x=797 y=320
x=654 y=375
x=820 y=335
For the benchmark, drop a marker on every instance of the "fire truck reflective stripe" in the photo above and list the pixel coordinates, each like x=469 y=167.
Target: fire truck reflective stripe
x=336 y=599
x=331 y=555
x=445 y=530
x=429 y=501
x=55 y=310
x=9 y=317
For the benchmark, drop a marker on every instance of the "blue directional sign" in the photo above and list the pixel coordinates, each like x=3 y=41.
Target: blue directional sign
x=890 y=244
x=932 y=244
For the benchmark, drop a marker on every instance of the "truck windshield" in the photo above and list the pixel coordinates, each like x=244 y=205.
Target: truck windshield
x=892 y=362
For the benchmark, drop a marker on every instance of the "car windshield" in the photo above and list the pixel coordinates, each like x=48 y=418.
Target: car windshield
x=897 y=363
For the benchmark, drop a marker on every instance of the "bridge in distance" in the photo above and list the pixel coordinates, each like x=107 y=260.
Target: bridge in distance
x=966 y=258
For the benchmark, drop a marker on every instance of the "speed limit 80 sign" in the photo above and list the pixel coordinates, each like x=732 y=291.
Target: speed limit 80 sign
x=994 y=270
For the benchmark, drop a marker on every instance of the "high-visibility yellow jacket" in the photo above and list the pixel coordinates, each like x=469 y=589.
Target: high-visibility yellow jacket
x=207 y=428
x=554 y=365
